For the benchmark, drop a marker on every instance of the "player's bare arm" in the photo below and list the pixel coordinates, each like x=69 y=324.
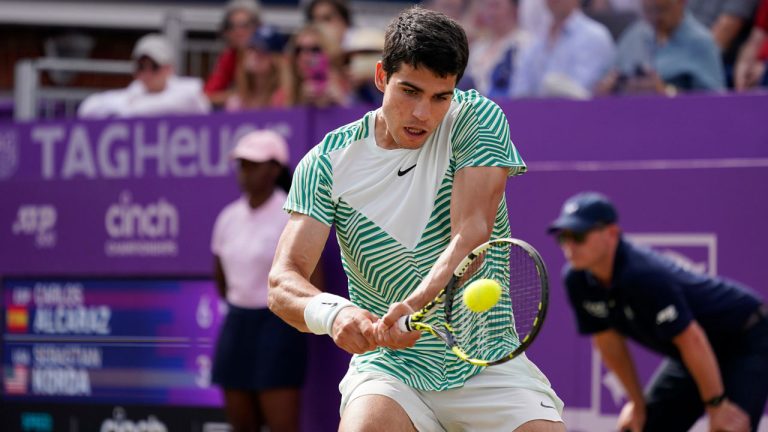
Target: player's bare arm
x=475 y=198
x=290 y=289
x=699 y=358
x=613 y=350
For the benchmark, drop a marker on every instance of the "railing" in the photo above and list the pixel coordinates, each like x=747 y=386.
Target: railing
x=29 y=94
x=194 y=57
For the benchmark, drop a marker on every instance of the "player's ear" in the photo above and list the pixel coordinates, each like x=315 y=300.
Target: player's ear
x=380 y=77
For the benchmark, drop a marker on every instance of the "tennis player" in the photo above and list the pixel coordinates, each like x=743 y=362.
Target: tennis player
x=411 y=188
x=712 y=331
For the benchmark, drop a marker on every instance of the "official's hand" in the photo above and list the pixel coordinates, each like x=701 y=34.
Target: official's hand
x=389 y=335
x=353 y=330
x=632 y=418
x=728 y=417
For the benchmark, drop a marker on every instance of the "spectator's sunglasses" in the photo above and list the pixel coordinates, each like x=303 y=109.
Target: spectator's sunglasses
x=147 y=64
x=315 y=49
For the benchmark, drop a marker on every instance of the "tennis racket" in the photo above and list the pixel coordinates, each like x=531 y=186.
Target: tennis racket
x=507 y=329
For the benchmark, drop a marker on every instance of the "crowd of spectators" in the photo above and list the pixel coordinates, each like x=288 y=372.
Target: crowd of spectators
x=519 y=49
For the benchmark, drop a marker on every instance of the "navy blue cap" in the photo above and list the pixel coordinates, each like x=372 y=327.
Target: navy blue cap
x=268 y=39
x=583 y=212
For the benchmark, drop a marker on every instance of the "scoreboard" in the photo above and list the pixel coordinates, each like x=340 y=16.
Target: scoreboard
x=126 y=341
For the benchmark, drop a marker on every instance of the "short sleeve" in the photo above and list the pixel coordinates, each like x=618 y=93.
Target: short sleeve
x=592 y=312
x=660 y=301
x=311 y=188
x=217 y=238
x=480 y=137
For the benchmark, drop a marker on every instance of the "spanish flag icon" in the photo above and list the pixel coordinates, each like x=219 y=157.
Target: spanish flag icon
x=17 y=319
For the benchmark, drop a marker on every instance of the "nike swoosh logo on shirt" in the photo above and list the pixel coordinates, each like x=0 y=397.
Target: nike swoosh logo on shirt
x=547 y=406
x=401 y=173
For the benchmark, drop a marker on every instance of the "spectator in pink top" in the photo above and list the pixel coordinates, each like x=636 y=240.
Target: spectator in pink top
x=260 y=360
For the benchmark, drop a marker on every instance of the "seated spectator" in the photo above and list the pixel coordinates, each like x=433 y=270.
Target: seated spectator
x=667 y=52
x=362 y=50
x=569 y=59
x=314 y=76
x=155 y=91
x=751 y=65
x=492 y=56
x=729 y=22
x=257 y=79
x=333 y=16
x=241 y=20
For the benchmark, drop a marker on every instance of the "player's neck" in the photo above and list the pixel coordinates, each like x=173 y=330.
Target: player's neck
x=381 y=133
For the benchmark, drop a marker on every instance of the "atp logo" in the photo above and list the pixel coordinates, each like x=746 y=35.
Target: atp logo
x=37 y=221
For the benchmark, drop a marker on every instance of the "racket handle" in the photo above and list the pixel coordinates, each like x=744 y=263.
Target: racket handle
x=404 y=323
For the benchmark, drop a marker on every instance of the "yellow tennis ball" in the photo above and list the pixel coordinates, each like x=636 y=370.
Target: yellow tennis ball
x=482 y=294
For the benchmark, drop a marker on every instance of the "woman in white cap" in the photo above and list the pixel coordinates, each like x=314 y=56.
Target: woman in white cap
x=260 y=360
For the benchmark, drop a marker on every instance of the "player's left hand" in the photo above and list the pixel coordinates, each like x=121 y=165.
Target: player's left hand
x=387 y=332
x=728 y=417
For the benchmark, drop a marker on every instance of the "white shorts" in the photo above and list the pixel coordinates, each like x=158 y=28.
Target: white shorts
x=500 y=398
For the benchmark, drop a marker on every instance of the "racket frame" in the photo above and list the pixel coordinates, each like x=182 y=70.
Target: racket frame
x=446 y=297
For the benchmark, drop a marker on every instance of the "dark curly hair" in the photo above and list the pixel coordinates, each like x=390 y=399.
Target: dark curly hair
x=422 y=37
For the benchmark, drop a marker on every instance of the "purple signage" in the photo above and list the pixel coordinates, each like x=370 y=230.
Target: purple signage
x=131 y=197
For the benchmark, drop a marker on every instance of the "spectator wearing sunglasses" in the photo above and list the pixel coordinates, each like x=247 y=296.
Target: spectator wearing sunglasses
x=241 y=20
x=155 y=91
x=314 y=74
x=713 y=332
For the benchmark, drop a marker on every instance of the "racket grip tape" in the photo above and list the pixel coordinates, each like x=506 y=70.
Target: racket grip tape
x=404 y=323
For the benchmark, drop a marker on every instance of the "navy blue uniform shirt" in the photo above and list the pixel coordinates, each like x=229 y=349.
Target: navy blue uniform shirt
x=651 y=299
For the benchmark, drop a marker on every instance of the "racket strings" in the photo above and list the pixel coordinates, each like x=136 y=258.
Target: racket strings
x=485 y=335
x=495 y=333
x=524 y=290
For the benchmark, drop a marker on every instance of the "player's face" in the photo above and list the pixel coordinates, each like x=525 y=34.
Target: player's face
x=415 y=102
x=585 y=251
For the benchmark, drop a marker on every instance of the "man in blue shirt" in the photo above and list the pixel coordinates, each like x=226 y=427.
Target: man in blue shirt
x=667 y=52
x=713 y=332
x=569 y=59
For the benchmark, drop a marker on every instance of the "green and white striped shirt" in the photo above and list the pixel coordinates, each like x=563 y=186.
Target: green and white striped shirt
x=391 y=211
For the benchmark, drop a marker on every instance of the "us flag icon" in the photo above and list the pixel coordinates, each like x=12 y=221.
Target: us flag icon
x=16 y=379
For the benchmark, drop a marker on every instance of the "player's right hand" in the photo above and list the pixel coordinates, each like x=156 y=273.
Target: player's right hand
x=389 y=335
x=353 y=330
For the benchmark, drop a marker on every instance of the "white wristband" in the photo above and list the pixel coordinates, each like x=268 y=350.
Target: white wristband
x=321 y=311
